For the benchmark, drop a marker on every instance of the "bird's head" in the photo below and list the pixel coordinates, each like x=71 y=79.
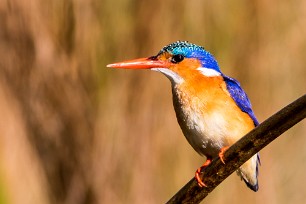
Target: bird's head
x=179 y=61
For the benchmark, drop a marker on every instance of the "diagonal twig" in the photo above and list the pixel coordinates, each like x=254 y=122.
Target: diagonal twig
x=241 y=151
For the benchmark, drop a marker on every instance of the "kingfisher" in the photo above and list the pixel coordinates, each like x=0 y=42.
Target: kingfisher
x=211 y=108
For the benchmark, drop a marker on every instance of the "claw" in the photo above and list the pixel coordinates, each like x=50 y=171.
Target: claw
x=198 y=172
x=197 y=177
x=221 y=153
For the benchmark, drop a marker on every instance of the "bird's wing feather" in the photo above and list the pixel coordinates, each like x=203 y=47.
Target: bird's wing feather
x=243 y=102
x=240 y=97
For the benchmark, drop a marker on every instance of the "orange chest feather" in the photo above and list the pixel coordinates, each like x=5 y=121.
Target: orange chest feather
x=204 y=95
x=205 y=108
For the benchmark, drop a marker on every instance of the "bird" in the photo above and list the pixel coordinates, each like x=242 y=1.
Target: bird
x=211 y=108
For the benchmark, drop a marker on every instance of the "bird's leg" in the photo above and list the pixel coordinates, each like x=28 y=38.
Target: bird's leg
x=221 y=153
x=198 y=172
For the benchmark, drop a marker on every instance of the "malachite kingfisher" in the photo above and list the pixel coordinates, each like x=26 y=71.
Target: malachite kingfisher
x=211 y=108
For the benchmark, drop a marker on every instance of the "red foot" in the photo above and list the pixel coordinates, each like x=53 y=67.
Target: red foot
x=221 y=153
x=198 y=172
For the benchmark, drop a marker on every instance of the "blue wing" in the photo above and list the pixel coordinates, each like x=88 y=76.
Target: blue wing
x=240 y=97
x=244 y=104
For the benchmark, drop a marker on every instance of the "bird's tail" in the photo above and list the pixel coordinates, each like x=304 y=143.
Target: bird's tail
x=249 y=172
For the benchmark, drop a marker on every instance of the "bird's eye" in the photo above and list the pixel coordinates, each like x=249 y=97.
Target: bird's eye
x=177 y=58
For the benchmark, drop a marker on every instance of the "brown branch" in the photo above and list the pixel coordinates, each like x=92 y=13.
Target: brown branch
x=241 y=151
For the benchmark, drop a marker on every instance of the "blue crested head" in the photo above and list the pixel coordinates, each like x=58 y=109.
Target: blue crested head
x=190 y=50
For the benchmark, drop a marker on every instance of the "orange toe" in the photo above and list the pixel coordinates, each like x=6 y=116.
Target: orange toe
x=199 y=180
x=221 y=153
x=198 y=172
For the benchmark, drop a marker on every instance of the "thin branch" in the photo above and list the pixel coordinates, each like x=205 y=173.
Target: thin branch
x=241 y=151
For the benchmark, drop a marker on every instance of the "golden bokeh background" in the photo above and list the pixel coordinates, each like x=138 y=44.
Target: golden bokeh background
x=73 y=131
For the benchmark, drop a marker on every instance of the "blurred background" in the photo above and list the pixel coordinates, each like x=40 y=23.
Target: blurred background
x=73 y=131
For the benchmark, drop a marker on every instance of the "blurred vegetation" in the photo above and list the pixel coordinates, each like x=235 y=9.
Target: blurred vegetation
x=73 y=131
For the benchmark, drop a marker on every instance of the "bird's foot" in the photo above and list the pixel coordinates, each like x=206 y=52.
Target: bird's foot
x=198 y=172
x=221 y=153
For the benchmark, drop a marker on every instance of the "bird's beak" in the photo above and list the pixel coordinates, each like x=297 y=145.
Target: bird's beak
x=141 y=63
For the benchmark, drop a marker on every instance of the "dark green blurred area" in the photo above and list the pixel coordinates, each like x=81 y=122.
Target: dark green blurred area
x=74 y=131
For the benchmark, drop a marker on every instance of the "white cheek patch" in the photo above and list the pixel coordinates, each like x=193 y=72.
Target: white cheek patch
x=208 y=72
x=174 y=77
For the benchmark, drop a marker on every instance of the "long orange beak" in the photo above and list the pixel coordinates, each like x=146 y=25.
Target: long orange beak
x=141 y=63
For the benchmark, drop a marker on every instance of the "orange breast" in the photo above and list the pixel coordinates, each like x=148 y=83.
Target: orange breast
x=208 y=116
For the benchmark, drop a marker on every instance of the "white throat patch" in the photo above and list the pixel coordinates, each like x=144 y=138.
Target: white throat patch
x=208 y=72
x=174 y=77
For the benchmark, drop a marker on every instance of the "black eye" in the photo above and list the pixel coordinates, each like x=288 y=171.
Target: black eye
x=177 y=58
